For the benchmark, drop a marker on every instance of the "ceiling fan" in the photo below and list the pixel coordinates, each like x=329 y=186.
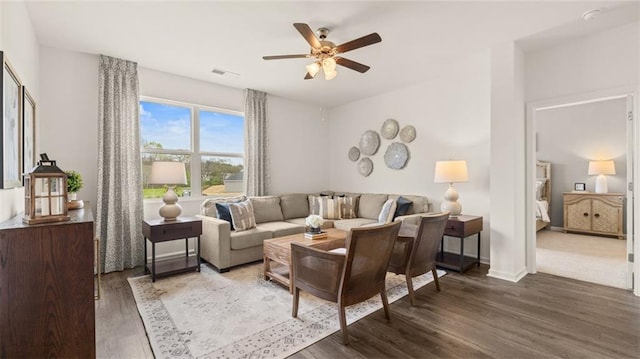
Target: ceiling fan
x=324 y=52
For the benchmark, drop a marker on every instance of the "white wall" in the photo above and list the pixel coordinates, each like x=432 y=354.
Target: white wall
x=604 y=60
x=69 y=114
x=20 y=46
x=451 y=114
x=507 y=163
x=569 y=137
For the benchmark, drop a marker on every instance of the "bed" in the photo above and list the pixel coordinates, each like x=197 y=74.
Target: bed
x=543 y=195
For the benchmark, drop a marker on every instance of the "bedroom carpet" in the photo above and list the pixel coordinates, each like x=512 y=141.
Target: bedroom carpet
x=240 y=315
x=599 y=260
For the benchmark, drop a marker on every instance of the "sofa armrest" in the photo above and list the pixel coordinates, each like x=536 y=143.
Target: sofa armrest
x=413 y=218
x=215 y=243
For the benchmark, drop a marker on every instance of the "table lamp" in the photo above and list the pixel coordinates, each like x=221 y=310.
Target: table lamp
x=602 y=168
x=451 y=172
x=170 y=174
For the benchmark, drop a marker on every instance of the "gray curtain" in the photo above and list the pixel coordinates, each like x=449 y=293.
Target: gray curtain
x=119 y=207
x=256 y=143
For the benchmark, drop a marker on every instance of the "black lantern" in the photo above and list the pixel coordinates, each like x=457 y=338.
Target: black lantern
x=45 y=189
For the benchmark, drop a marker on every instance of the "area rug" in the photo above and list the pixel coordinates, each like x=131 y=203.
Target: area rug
x=240 y=315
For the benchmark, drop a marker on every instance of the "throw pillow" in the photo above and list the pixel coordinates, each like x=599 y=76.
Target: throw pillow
x=348 y=207
x=208 y=207
x=388 y=209
x=314 y=204
x=329 y=208
x=402 y=207
x=540 y=187
x=224 y=213
x=242 y=215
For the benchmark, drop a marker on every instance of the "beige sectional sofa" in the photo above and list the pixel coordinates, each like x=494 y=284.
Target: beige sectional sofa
x=282 y=215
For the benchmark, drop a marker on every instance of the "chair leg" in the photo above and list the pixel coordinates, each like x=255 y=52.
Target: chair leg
x=435 y=278
x=296 y=298
x=385 y=304
x=412 y=298
x=343 y=325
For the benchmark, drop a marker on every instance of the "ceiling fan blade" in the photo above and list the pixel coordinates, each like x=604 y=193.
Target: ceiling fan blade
x=308 y=76
x=359 y=42
x=279 y=57
x=352 y=64
x=308 y=34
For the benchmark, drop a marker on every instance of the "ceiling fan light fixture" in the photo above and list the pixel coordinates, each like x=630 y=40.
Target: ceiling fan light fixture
x=313 y=68
x=328 y=75
x=329 y=64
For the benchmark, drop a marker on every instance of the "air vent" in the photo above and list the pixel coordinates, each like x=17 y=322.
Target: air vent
x=223 y=72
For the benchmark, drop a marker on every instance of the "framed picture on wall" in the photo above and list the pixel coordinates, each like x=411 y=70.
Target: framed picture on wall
x=579 y=187
x=28 y=131
x=10 y=165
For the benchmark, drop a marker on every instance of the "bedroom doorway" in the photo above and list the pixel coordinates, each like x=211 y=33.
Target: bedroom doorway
x=564 y=136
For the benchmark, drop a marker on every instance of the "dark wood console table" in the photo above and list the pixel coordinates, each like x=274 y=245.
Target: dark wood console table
x=47 y=307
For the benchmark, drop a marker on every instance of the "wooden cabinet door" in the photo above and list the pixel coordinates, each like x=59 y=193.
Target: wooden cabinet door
x=579 y=215
x=606 y=217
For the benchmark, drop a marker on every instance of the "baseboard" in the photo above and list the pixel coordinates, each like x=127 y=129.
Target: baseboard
x=511 y=277
x=557 y=229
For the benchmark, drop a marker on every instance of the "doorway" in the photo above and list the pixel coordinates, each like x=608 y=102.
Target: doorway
x=568 y=134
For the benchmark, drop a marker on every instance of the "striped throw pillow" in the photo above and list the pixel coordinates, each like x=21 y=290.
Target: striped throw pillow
x=242 y=215
x=348 y=207
x=386 y=214
x=329 y=208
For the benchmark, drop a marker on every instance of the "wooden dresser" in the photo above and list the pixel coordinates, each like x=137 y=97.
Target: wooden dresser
x=594 y=213
x=47 y=307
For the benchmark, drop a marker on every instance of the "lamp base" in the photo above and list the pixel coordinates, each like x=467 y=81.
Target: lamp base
x=170 y=210
x=601 y=184
x=451 y=203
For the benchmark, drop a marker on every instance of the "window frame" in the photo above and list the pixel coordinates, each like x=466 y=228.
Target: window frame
x=195 y=153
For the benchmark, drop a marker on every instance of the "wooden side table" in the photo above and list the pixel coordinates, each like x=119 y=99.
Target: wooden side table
x=460 y=227
x=157 y=230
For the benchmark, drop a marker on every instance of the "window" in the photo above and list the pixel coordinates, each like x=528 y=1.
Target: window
x=210 y=142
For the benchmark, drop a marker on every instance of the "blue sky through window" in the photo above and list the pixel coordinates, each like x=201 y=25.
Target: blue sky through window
x=167 y=125
x=221 y=132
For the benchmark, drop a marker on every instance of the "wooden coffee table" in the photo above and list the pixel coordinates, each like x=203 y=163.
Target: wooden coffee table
x=279 y=250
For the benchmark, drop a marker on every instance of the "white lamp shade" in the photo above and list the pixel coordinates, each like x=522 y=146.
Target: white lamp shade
x=328 y=75
x=607 y=167
x=169 y=173
x=313 y=69
x=451 y=171
x=329 y=64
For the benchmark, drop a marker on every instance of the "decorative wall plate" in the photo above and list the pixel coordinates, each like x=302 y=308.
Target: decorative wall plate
x=354 y=153
x=390 y=129
x=369 y=143
x=365 y=166
x=408 y=134
x=396 y=156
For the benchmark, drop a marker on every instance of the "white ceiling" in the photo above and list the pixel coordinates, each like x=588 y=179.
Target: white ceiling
x=418 y=38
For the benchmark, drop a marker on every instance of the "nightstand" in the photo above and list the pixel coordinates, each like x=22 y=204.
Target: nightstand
x=157 y=230
x=460 y=227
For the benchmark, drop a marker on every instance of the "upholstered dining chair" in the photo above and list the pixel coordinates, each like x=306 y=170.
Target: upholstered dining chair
x=348 y=278
x=419 y=255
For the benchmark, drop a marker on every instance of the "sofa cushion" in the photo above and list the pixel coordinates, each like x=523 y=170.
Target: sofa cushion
x=403 y=206
x=370 y=204
x=387 y=211
x=347 y=224
x=420 y=203
x=294 y=205
x=267 y=209
x=250 y=238
x=224 y=213
x=280 y=229
x=242 y=215
x=208 y=207
x=328 y=223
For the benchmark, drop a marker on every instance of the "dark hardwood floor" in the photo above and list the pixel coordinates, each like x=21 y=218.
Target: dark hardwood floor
x=474 y=316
